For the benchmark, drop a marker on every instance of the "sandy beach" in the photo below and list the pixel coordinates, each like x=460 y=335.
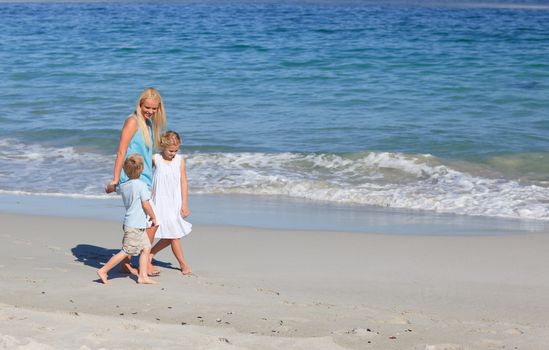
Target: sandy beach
x=361 y=174
x=273 y=289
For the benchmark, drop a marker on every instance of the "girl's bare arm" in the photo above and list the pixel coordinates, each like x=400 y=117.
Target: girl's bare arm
x=184 y=190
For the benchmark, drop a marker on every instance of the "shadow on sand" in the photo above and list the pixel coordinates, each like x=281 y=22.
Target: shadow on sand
x=96 y=257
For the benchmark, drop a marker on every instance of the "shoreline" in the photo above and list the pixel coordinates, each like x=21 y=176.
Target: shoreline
x=283 y=214
x=272 y=289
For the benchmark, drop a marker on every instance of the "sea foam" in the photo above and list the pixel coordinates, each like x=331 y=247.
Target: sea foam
x=385 y=179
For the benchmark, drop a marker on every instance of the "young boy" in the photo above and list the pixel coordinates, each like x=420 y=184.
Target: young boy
x=135 y=196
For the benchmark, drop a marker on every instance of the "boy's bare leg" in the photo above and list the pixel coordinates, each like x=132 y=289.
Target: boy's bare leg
x=151 y=231
x=126 y=267
x=143 y=277
x=113 y=261
x=178 y=253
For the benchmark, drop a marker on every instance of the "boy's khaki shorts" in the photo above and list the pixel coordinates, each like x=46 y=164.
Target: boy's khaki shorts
x=135 y=240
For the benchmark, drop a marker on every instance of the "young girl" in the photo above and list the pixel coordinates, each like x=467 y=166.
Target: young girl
x=169 y=195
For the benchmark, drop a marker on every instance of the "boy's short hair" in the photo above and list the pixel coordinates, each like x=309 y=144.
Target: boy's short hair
x=133 y=166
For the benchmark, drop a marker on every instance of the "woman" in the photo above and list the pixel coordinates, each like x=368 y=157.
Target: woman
x=140 y=134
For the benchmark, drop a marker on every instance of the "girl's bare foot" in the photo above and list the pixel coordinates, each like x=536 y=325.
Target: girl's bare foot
x=146 y=280
x=103 y=276
x=186 y=270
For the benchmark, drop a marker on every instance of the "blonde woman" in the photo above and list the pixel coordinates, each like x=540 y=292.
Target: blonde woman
x=140 y=134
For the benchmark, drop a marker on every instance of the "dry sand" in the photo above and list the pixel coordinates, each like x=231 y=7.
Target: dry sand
x=273 y=289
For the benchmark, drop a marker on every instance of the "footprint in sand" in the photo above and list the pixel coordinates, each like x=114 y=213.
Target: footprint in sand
x=322 y=304
x=485 y=331
x=398 y=320
x=444 y=347
x=31 y=280
x=208 y=283
x=268 y=291
x=514 y=331
x=492 y=343
x=59 y=269
x=135 y=327
x=366 y=333
x=9 y=342
x=17 y=241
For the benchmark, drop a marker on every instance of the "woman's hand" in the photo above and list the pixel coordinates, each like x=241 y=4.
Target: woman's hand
x=111 y=187
x=185 y=211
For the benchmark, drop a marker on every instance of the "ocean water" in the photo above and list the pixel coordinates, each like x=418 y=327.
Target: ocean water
x=440 y=107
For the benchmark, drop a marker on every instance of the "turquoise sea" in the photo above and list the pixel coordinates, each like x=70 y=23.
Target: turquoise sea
x=438 y=107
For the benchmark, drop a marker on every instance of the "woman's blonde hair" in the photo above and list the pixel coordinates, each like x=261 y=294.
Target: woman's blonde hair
x=169 y=138
x=158 y=118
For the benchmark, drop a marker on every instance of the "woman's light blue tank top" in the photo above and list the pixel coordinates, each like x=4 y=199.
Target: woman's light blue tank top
x=137 y=145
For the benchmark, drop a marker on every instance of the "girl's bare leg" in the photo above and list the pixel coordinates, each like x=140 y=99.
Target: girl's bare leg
x=113 y=261
x=143 y=277
x=151 y=231
x=178 y=253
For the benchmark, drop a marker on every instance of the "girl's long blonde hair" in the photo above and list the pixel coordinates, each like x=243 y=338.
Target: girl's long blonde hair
x=158 y=118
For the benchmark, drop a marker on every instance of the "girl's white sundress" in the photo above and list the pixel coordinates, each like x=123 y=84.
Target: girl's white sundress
x=166 y=196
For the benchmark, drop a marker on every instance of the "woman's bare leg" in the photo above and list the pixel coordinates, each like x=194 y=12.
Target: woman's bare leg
x=178 y=253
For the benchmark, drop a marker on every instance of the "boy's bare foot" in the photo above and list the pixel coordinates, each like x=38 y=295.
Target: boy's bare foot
x=146 y=281
x=103 y=276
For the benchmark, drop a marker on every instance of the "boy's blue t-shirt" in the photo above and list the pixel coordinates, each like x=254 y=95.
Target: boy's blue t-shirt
x=134 y=192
